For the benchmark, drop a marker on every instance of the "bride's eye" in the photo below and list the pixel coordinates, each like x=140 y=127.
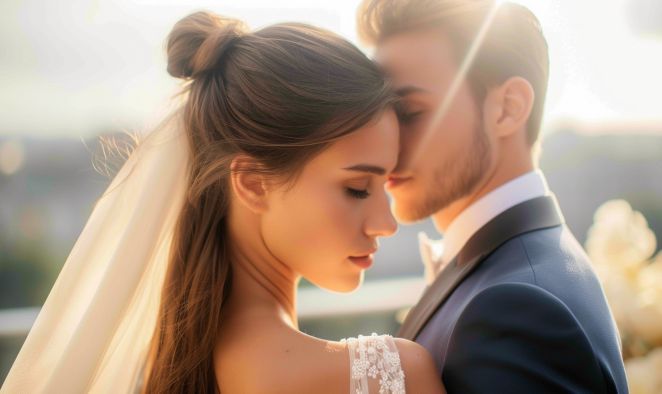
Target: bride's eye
x=407 y=113
x=408 y=117
x=355 y=193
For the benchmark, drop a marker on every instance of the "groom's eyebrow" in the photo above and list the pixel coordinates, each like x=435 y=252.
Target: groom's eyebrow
x=409 y=89
x=367 y=168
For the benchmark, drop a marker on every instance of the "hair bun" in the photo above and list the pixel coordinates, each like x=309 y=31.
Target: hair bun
x=198 y=41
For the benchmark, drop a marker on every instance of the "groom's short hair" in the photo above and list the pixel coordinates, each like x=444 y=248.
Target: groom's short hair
x=514 y=44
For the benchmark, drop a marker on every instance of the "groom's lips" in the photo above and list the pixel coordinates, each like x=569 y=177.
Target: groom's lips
x=395 y=181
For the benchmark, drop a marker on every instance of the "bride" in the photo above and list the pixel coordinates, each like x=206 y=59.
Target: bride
x=184 y=279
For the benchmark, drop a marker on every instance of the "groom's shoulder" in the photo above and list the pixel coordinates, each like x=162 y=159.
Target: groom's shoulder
x=526 y=301
x=548 y=258
x=551 y=244
x=528 y=314
x=521 y=335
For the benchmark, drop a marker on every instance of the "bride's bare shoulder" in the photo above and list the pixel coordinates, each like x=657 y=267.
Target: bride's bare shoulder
x=421 y=374
x=278 y=361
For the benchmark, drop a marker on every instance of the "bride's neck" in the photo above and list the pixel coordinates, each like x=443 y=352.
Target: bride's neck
x=261 y=283
x=258 y=285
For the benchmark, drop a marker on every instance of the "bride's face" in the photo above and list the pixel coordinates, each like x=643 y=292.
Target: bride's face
x=325 y=226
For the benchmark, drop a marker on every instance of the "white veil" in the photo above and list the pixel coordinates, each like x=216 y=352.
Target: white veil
x=93 y=331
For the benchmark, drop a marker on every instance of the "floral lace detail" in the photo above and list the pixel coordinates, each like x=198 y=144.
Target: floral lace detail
x=375 y=357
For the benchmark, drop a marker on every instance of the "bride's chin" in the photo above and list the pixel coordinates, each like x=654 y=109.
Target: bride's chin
x=345 y=285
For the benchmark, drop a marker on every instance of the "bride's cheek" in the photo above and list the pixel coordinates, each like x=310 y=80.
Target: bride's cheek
x=328 y=224
x=303 y=229
x=328 y=227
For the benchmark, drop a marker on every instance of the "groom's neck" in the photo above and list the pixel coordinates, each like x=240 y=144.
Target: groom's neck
x=502 y=173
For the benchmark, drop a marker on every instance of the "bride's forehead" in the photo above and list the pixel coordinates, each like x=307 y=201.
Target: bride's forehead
x=377 y=141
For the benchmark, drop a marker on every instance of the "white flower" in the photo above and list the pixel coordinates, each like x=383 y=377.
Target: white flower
x=620 y=236
x=646 y=317
x=620 y=244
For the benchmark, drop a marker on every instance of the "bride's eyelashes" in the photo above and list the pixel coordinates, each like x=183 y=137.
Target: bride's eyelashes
x=408 y=117
x=357 y=193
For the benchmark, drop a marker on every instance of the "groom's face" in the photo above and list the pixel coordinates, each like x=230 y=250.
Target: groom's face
x=444 y=150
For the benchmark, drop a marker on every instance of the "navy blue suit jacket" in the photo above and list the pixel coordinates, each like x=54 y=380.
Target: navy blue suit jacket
x=520 y=310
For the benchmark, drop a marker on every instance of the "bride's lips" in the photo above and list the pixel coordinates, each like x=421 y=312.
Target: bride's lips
x=394 y=181
x=362 y=261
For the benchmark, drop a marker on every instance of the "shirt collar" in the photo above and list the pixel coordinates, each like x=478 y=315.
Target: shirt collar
x=523 y=188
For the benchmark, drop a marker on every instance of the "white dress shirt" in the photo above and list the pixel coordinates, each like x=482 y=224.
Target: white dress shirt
x=437 y=253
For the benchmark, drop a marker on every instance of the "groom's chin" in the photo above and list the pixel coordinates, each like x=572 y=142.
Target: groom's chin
x=407 y=213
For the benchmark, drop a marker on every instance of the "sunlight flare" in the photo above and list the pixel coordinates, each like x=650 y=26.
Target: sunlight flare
x=441 y=112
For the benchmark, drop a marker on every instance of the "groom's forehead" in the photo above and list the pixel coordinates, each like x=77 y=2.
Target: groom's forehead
x=417 y=59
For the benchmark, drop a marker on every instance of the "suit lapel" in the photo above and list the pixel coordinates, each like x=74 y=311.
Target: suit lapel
x=535 y=214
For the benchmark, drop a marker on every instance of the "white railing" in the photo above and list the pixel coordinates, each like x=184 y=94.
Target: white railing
x=17 y=322
x=373 y=296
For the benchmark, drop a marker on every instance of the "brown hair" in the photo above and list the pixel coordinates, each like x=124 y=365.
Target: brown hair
x=514 y=44
x=280 y=95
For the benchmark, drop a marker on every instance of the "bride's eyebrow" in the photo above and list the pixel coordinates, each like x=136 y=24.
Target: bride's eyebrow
x=409 y=89
x=371 y=169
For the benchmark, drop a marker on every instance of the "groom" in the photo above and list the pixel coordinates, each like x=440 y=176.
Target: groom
x=515 y=306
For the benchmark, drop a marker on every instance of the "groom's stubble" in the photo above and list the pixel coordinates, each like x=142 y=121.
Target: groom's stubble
x=453 y=179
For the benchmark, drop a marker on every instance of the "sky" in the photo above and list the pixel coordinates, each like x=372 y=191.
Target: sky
x=76 y=68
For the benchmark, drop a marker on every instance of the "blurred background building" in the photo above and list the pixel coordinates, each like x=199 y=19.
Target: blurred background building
x=74 y=70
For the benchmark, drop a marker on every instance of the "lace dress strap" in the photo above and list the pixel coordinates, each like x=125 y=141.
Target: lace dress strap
x=375 y=357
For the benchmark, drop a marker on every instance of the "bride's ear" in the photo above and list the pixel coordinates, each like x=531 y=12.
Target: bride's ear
x=249 y=183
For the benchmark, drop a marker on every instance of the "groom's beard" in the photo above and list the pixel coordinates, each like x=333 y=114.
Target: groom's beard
x=456 y=178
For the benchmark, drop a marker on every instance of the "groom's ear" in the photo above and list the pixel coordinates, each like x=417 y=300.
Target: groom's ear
x=508 y=106
x=249 y=183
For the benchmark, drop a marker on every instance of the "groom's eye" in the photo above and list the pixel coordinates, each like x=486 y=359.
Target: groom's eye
x=356 y=193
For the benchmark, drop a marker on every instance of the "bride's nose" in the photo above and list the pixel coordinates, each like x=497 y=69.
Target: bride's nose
x=380 y=221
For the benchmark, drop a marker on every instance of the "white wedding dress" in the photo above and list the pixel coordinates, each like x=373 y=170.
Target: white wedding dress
x=374 y=357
